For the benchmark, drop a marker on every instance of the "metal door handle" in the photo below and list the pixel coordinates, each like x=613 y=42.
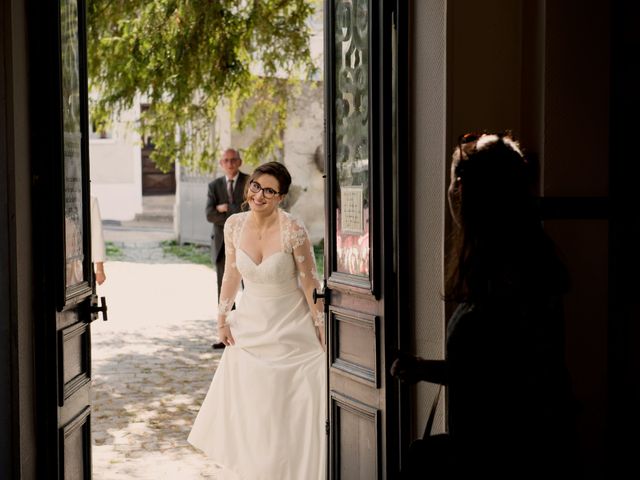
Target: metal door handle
x=317 y=295
x=95 y=309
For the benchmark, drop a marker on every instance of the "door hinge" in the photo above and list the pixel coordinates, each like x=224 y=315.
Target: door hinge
x=326 y=427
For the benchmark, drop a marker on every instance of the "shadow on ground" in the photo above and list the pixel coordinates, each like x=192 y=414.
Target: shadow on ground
x=154 y=383
x=152 y=364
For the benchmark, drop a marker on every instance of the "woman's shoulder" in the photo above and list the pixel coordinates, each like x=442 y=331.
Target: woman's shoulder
x=238 y=217
x=292 y=220
x=235 y=220
x=294 y=233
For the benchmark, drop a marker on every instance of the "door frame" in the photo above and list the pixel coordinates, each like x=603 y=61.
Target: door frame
x=17 y=422
x=624 y=230
x=404 y=213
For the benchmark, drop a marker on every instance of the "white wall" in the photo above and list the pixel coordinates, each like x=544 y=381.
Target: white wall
x=191 y=189
x=302 y=138
x=191 y=201
x=116 y=169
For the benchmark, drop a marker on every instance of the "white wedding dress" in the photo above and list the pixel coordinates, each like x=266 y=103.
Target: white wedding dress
x=264 y=415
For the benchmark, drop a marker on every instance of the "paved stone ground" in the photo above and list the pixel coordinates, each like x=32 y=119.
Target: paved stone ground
x=152 y=365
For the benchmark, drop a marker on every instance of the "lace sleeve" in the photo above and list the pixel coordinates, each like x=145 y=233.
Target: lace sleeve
x=297 y=241
x=232 y=277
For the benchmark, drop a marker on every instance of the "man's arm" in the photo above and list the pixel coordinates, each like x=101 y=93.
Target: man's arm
x=234 y=208
x=213 y=215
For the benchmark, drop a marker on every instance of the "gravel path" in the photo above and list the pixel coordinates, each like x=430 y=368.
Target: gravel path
x=152 y=365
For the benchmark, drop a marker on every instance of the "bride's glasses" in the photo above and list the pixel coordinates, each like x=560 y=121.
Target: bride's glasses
x=255 y=187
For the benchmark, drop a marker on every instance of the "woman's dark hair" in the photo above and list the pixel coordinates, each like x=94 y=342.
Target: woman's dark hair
x=498 y=245
x=276 y=170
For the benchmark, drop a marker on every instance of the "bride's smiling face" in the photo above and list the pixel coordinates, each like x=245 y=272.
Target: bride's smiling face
x=263 y=194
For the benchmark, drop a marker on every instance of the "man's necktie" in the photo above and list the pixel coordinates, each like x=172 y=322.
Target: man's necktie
x=230 y=190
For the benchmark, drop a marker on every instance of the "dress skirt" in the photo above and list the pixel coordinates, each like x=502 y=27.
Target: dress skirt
x=264 y=415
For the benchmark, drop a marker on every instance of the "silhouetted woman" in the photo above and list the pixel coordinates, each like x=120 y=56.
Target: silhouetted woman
x=509 y=399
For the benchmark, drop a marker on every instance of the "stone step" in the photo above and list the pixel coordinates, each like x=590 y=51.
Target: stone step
x=156 y=209
x=158 y=202
x=142 y=225
x=154 y=216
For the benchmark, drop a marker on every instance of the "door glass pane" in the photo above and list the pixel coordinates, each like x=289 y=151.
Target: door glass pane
x=74 y=250
x=352 y=136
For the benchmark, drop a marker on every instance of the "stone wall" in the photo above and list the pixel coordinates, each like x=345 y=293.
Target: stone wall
x=303 y=155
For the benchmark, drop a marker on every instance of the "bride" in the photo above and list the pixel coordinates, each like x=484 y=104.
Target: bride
x=264 y=415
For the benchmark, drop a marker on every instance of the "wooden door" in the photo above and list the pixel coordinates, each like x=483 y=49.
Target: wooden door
x=154 y=180
x=359 y=271
x=62 y=257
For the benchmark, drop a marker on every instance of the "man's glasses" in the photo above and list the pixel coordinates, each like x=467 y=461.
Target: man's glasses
x=230 y=160
x=267 y=192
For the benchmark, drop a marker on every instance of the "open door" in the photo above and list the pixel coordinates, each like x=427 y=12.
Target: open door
x=65 y=303
x=359 y=250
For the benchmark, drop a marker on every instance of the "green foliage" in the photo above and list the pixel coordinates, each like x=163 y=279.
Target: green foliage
x=191 y=253
x=186 y=56
x=318 y=251
x=113 y=251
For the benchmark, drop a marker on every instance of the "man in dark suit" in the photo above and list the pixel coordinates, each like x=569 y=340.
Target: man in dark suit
x=225 y=198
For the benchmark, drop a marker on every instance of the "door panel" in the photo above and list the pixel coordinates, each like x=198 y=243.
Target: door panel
x=62 y=243
x=357 y=436
x=355 y=345
x=75 y=361
x=359 y=221
x=73 y=321
x=75 y=447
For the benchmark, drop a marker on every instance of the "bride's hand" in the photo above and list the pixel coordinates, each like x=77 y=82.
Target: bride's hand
x=224 y=335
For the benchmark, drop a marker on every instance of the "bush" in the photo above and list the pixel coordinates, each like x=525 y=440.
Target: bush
x=200 y=254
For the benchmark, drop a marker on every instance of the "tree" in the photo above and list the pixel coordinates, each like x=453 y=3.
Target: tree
x=186 y=57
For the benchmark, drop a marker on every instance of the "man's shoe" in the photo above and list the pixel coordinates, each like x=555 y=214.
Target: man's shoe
x=218 y=346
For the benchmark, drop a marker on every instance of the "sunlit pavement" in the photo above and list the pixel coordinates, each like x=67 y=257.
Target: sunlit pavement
x=152 y=364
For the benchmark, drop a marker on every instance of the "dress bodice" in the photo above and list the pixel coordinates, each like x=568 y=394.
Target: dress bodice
x=292 y=266
x=279 y=267
x=276 y=268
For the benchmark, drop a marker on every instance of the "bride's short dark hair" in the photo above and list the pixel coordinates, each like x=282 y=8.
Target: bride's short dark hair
x=276 y=170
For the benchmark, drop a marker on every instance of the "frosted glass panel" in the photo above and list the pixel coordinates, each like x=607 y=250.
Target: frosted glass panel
x=74 y=250
x=352 y=136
